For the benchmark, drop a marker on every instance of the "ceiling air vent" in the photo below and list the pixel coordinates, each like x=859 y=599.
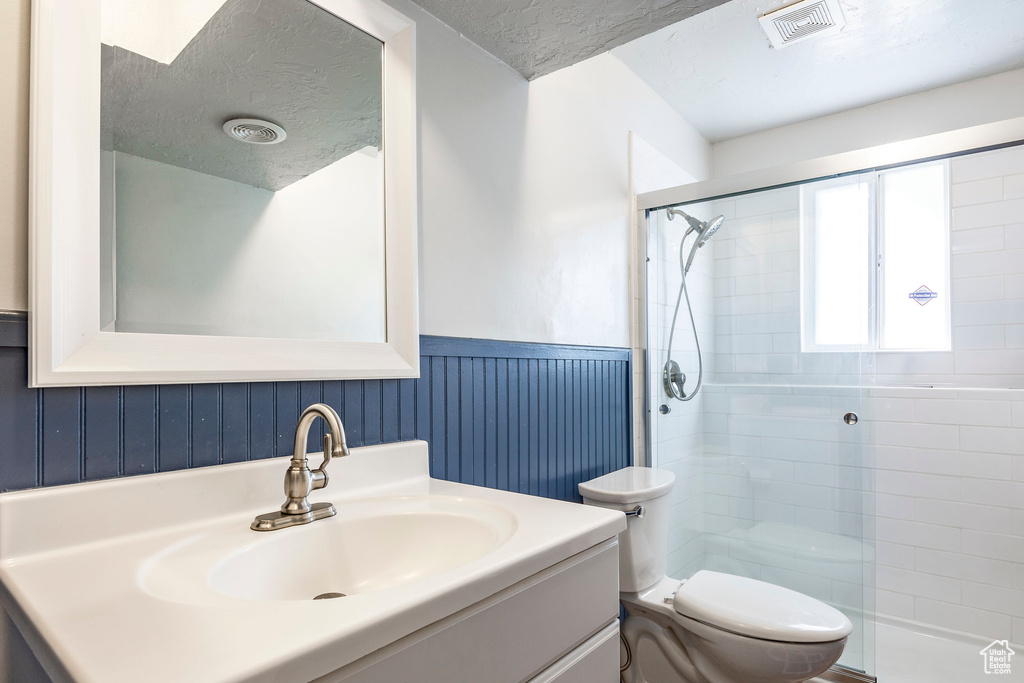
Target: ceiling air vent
x=803 y=20
x=255 y=131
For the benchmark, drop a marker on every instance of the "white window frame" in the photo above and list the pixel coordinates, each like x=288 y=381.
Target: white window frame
x=875 y=265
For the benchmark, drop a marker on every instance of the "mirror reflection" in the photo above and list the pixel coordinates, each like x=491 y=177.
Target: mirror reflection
x=242 y=171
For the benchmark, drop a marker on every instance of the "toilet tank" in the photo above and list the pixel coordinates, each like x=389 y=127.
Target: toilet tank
x=643 y=546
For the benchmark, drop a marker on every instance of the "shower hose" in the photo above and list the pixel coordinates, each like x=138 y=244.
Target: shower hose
x=674 y=384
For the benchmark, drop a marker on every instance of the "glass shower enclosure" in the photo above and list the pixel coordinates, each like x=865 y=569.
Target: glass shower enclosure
x=772 y=456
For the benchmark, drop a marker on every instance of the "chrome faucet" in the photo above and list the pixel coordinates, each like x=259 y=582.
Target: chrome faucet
x=299 y=480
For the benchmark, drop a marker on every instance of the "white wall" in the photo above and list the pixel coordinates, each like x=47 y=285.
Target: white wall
x=524 y=188
x=14 y=29
x=153 y=28
x=197 y=254
x=526 y=194
x=972 y=103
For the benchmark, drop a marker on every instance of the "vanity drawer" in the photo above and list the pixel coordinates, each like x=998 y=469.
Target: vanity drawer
x=515 y=635
x=595 y=661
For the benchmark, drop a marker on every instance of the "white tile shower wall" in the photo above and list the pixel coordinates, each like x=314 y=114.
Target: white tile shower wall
x=949 y=460
x=950 y=508
x=677 y=436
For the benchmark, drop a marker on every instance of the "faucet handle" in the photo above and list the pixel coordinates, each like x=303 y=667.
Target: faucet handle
x=320 y=477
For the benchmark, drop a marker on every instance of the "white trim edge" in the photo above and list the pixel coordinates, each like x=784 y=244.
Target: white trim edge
x=905 y=151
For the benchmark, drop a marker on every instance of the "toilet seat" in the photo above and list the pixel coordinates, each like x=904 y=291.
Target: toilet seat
x=757 y=609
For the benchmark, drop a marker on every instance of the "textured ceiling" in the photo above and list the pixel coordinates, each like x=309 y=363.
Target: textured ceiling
x=536 y=37
x=719 y=71
x=285 y=61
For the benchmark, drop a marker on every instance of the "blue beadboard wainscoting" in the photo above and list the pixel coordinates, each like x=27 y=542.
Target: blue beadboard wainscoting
x=533 y=418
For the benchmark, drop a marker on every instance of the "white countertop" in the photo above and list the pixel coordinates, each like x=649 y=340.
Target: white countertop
x=71 y=558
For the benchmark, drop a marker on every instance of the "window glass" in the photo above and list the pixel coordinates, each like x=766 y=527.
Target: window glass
x=838 y=244
x=915 y=268
x=841 y=280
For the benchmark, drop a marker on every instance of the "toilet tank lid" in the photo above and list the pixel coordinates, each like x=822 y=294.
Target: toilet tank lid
x=759 y=609
x=629 y=485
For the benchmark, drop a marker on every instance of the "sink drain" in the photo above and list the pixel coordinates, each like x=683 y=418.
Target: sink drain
x=329 y=596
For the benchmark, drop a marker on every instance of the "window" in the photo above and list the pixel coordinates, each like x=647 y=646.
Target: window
x=875 y=261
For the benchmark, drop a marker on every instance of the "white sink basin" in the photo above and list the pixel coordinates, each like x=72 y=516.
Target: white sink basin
x=368 y=546
x=111 y=581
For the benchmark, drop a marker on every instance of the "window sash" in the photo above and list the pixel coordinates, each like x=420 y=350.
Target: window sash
x=872 y=260
x=943 y=285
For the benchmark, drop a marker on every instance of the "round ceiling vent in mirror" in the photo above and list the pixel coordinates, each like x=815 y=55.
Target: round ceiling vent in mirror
x=255 y=131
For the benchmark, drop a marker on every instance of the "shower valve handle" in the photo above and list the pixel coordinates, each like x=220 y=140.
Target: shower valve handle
x=674 y=379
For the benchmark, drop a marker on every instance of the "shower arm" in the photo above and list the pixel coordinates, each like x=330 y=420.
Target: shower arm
x=693 y=225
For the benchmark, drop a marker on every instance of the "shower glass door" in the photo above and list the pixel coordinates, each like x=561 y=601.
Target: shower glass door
x=773 y=455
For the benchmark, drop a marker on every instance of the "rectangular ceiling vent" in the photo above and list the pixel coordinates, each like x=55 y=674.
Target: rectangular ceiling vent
x=803 y=20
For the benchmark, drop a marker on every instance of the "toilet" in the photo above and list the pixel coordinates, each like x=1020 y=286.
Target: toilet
x=712 y=627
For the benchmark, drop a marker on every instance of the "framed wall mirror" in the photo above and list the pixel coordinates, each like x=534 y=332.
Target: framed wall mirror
x=222 y=190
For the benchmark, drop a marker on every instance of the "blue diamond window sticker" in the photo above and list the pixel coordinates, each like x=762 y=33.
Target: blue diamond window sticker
x=922 y=295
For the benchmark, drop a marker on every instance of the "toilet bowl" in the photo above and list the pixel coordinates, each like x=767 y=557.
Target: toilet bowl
x=712 y=627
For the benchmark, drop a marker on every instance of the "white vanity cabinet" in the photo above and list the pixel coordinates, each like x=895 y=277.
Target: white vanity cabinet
x=562 y=622
x=559 y=625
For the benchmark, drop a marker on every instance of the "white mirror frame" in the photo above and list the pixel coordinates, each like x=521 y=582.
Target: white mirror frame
x=67 y=346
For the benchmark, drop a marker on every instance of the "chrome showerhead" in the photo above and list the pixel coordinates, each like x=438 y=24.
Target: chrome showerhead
x=710 y=228
x=704 y=229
